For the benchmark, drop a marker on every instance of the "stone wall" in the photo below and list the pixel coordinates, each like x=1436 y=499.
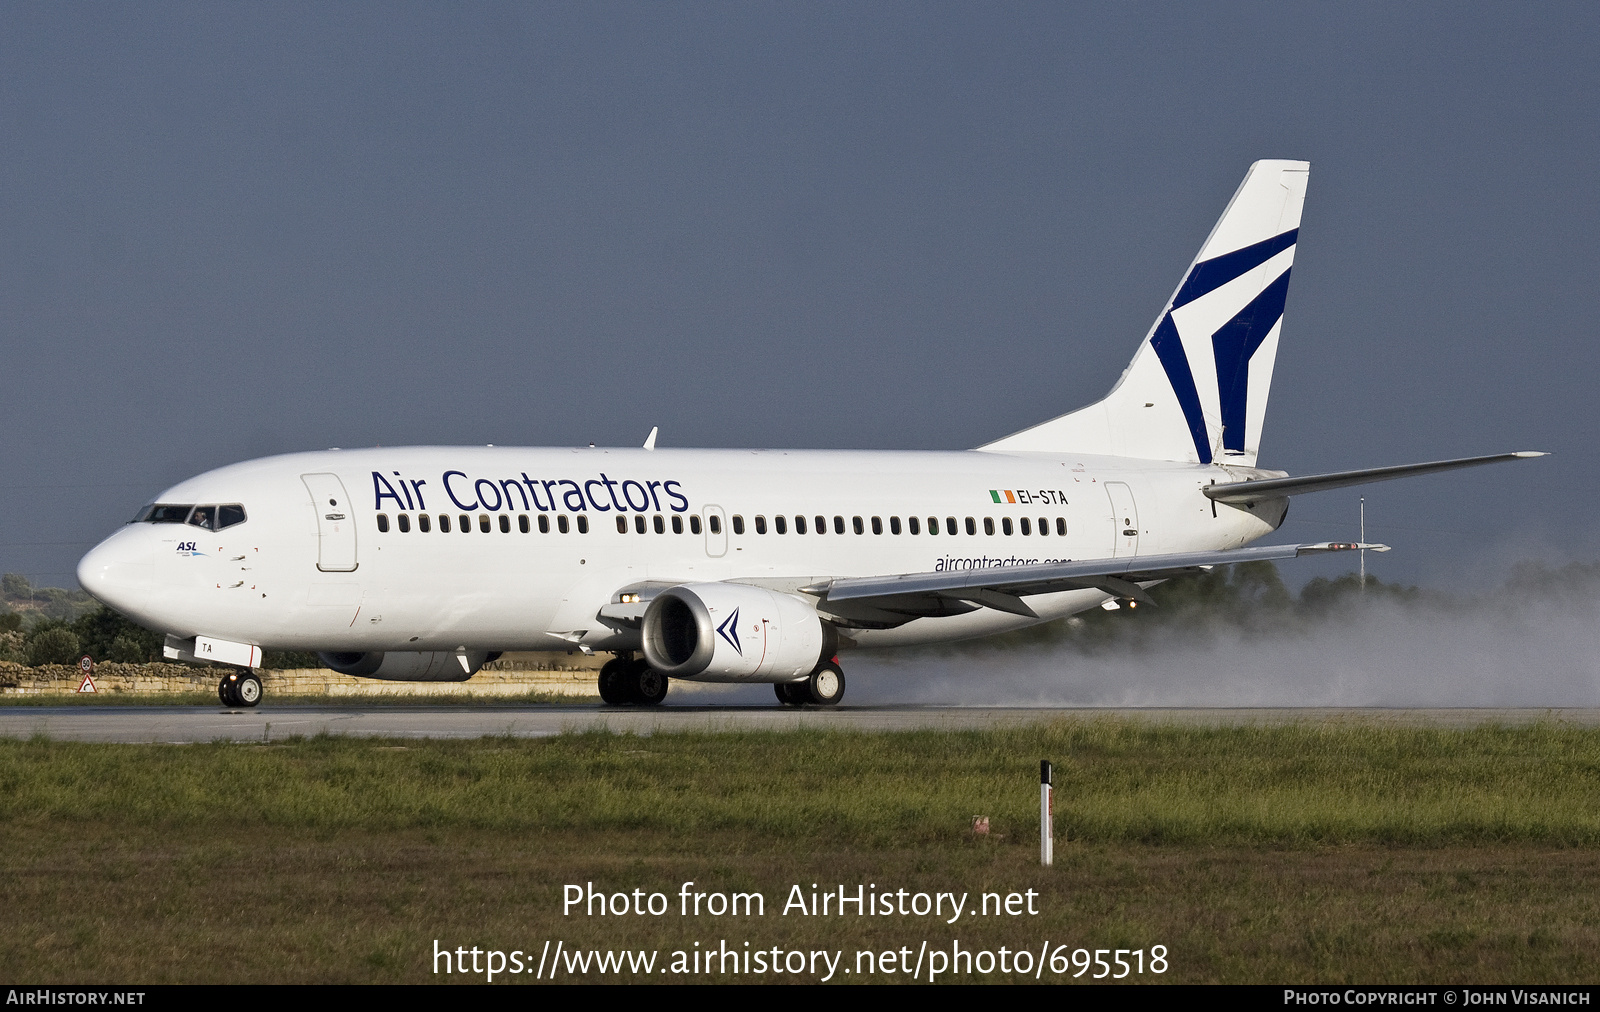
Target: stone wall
x=513 y=674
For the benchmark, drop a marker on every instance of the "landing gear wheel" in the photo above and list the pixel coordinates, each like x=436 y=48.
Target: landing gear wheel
x=614 y=681
x=247 y=690
x=792 y=693
x=825 y=687
x=649 y=686
x=225 y=692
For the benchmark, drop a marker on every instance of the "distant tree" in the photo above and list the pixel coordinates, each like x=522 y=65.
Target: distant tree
x=1321 y=594
x=10 y=621
x=51 y=644
x=129 y=650
x=14 y=585
x=101 y=631
x=279 y=659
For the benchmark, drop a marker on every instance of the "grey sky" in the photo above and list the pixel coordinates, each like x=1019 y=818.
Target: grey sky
x=233 y=230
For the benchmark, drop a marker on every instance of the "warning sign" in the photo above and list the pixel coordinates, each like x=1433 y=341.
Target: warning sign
x=87 y=685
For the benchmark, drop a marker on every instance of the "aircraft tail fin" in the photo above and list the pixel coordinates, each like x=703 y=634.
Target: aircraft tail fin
x=1196 y=390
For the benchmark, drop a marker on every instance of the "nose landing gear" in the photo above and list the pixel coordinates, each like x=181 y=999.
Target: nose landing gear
x=239 y=688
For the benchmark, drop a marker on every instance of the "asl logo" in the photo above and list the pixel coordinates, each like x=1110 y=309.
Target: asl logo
x=729 y=630
x=188 y=548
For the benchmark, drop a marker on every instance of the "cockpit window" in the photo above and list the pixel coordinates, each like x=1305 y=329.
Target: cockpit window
x=210 y=518
x=163 y=513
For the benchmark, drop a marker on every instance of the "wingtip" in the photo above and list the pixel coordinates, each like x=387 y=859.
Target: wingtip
x=1531 y=453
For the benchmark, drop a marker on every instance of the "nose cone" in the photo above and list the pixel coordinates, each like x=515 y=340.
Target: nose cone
x=120 y=572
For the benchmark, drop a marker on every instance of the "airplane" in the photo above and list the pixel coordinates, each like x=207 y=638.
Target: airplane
x=424 y=563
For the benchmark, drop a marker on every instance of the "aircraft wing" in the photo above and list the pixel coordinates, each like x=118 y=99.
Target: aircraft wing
x=1272 y=488
x=1003 y=588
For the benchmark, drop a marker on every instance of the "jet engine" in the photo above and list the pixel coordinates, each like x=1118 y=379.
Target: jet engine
x=409 y=665
x=730 y=632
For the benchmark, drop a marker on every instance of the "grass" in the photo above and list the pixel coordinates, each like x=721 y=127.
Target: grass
x=1299 y=852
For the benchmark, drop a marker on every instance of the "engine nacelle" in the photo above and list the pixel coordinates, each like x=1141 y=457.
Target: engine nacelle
x=408 y=665
x=729 y=632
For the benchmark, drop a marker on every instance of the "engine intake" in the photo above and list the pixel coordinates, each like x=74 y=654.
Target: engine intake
x=729 y=632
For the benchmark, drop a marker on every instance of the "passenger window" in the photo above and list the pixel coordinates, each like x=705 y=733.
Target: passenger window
x=638 y=522
x=1061 y=526
x=914 y=525
x=780 y=525
x=1005 y=526
x=799 y=525
x=694 y=524
x=622 y=525
x=1044 y=527
x=424 y=523
x=988 y=526
x=404 y=522
x=877 y=525
x=204 y=517
x=894 y=525
x=950 y=525
x=583 y=524
x=561 y=524
x=544 y=524
x=716 y=524
x=383 y=523
x=972 y=526
x=659 y=524
x=856 y=523
x=933 y=525
x=738 y=523
x=1027 y=527
x=522 y=522
x=466 y=524
x=227 y=516
x=444 y=523
x=505 y=524
x=677 y=524
x=838 y=525
x=483 y=522
x=761 y=525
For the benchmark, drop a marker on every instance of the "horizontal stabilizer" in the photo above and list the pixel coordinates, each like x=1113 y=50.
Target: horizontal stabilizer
x=1006 y=584
x=1272 y=488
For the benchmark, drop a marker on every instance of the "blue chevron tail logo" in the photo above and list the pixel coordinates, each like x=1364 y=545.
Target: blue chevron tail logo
x=729 y=630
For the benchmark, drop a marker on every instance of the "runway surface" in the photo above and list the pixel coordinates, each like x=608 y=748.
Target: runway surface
x=189 y=724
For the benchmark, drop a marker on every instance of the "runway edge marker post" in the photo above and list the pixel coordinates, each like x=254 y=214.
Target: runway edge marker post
x=1047 y=836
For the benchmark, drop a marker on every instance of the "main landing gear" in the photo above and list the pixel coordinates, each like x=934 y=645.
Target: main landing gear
x=825 y=687
x=625 y=681
x=239 y=687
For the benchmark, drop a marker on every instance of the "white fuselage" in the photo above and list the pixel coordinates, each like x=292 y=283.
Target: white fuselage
x=266 y=581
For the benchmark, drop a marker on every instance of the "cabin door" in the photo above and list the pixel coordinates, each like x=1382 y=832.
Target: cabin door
x=336 y=523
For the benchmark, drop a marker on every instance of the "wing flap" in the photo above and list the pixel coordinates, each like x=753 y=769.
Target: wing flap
x=1004 y=587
